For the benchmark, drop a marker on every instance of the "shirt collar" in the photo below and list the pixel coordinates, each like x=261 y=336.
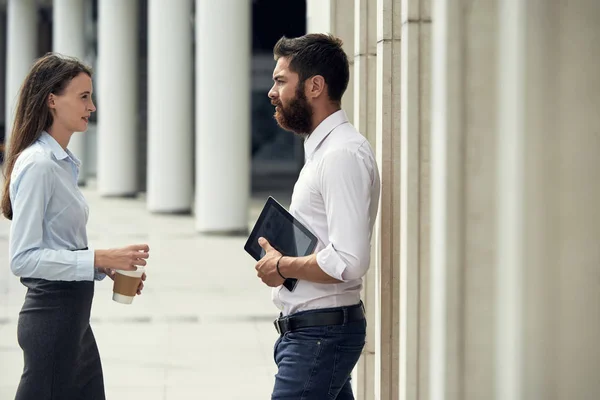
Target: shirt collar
x=322 y=131
x=57 y=150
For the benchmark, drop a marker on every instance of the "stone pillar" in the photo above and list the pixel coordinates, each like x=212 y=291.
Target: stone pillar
x=68 y=38
x=170 y=106
x=547 y=323
x=463 y=199
x=388 y=138
x=222 y=115
x=336 y=17
x=3 y=54
x=364 y=85
x=576 y=270
x=117 y=97
x=20 y=50
x=415 y=130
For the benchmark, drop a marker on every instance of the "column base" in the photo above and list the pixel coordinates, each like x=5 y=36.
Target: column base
x=186 y=211
x=228 y=233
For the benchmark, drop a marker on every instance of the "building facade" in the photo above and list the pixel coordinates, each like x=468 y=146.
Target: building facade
x=485 y=277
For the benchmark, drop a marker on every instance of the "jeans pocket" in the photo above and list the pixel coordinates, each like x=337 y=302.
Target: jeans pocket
x=313 y=334
x=346 y=357
x=275 y=348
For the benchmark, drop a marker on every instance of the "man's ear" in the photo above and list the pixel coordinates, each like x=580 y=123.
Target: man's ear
x=315 y=86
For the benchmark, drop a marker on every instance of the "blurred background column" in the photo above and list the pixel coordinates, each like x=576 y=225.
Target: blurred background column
x=464 y=87
x=415 y=184
x=578 y=138
x=388 y=139
x=21 y=51
x=336 y=17
x=170 y=106
x=364 y=55
x=515 y=276
x=548 y=264
x=3 y=57
x=222 y=116
x=68 y=38
x=118 y=137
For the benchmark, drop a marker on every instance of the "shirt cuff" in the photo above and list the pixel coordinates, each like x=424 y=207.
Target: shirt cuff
x=331 y=263
x=85 y=265
x=98 y=276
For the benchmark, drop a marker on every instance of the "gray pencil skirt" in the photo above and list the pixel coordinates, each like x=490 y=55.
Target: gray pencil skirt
x=60 y=353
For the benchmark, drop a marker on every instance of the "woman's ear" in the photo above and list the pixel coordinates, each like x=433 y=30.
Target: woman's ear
x=51 y=101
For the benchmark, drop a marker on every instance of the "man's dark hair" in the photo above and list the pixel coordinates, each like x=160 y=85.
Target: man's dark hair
x=317 y=54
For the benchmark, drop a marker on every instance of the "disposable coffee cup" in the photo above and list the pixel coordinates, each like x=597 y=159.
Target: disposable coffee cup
x=126 y=285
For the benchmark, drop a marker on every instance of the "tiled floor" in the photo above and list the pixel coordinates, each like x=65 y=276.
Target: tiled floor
x=201 y=330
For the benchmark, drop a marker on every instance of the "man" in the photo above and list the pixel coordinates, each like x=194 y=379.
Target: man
x=322 y=324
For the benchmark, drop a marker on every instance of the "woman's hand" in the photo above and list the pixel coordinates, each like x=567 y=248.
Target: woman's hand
x=111 y=274
x=126 y=258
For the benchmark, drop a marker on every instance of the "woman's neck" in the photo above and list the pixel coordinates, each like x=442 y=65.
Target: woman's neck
x=62 y=136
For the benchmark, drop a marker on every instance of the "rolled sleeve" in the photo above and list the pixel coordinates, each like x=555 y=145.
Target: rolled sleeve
x=331 y=263
x=346 y=185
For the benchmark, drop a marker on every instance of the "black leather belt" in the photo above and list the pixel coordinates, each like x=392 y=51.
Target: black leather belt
x=338 y=316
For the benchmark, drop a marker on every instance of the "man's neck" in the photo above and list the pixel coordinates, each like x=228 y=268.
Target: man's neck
x=322 y=113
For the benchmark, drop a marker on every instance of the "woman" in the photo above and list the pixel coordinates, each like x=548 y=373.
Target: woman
x=48 y=239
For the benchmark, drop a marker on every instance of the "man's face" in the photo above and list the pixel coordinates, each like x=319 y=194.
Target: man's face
x=292 y=109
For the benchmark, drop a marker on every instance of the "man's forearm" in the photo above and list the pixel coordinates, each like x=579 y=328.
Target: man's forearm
x=304 y=268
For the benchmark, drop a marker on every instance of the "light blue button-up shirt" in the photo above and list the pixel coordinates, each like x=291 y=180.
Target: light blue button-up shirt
x=50 y=214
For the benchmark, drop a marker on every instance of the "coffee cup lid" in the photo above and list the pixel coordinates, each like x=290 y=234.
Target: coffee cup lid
x=136 y=274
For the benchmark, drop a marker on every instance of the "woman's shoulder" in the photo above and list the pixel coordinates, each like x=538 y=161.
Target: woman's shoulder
x=36 y=159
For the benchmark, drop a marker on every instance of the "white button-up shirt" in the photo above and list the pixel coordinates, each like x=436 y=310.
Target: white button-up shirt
x=48 y=228
x=336 y=197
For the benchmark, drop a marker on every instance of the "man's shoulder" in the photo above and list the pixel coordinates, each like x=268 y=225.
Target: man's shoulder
x=347 y=137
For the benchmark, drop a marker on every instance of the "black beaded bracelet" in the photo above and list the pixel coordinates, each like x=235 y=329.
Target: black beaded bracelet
x=278 y=271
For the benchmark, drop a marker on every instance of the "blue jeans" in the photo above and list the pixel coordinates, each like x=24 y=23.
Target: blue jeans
x=315 y=363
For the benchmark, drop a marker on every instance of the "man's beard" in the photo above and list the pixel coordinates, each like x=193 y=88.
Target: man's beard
x=296 y=116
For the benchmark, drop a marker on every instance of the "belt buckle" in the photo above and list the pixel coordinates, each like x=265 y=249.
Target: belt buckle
x=277 y=327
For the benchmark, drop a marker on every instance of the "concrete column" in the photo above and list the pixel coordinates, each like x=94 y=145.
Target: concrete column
x=463 y=199
x=3 y=31
x=5 y=276
x=170 y=106
x=548 y=322
x=388 y=138
x=117 y=97
x=336 y=17
x=68 y=38
x=576 y=282
x=222 y=115
x=364 y=85
x=20 y=50
x=415 y=60
x=511 y=192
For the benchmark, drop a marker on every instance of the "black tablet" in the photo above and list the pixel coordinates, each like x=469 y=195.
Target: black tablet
x=285 y=233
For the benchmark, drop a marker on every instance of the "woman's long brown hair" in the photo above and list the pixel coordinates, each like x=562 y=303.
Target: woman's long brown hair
x=49 y=74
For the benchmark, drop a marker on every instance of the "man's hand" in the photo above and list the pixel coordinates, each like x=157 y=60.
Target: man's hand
x=266 y=268
x=111 y=274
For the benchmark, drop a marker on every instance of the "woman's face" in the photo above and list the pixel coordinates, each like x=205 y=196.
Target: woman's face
x=72 y=108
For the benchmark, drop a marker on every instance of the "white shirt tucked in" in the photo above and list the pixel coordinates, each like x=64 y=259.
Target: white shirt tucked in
x=336 y=197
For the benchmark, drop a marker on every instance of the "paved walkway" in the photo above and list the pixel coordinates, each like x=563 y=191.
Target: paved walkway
x=201 y=330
